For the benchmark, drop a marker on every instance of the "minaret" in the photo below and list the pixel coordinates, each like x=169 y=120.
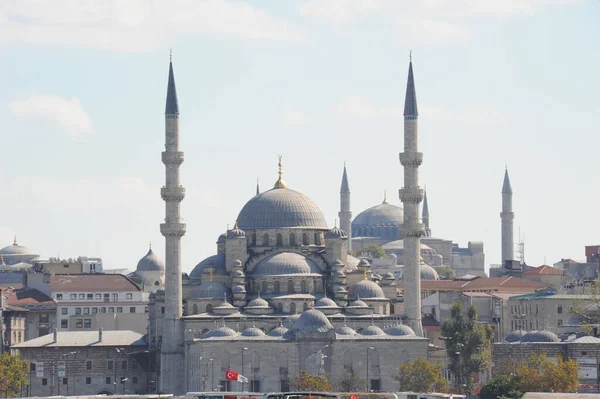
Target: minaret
x=257 y=188
x=425 y=214
x=345 y=213
x=411 y=196
x=507 y=217
x=172 y=358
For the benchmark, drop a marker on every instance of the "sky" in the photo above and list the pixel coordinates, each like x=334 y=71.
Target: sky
x=321 y=82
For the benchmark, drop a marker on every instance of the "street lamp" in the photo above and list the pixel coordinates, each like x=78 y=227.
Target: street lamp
x=370 y=348
x=66 y=355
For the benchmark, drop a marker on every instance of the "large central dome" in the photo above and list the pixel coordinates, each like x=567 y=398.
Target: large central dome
x=280 y=208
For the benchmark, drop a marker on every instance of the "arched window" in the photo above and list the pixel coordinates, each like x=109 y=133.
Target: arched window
x=348 y=362
x=317 y=239
x=292 y=239
x=292 y=308
x=304 y=239
x=255 y=362
x=263 y=287
x=209 y=308
x=265 y=240
x=156 y=283
x=253 y=242
x=279 y=240
x=305 y=306
x=315 y=286
x=290 y=287
x=276 y=287
x=195 y=309
x=303 y=286
x=204 y=331
x=279 y=307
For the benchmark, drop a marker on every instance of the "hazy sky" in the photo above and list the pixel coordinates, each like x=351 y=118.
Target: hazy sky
x=82 y=96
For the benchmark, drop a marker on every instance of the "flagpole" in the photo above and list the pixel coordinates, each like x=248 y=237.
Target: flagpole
x=243 y=350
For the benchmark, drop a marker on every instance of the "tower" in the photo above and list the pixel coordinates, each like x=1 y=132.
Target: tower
x=425 y=214
x=172 y=358
x=507 y=217
x=411 y=196
x=345 y=213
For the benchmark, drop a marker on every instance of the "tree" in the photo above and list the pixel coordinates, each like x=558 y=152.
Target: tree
x=538 y=373
x=445 y=273
x=421 y=376
x=468 y=345
x=502 y=386
x=372 y=251
x=311 y=383
x=351 y=383
x=13 y=374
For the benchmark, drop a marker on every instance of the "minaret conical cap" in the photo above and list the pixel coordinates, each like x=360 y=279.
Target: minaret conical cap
x=345 y=186
x=425 y=212
x=410 y=101
x=172 y=106
x=506 y=188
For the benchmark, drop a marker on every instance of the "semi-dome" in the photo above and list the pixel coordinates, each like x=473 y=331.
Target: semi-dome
x=150 y=262
x=372 y=330
x=209 y=290
x=216 y=262
x=281 y=208
x=382 y=215
x=345 y=330
x=312 y=321
x=325 y=302
x=258 y=303
x=290 y=320
x=253 y=332
x=399 y=330
x=286 y=263
x=515 y=336
x=278 y=331
x=336 y=232
x=427 y=272
x=220 y=332
x=367 y=290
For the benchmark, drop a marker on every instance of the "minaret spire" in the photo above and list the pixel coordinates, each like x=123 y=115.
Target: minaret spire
x=425 y=214
x=172 y=358
x=257 y=187
x=345 y=212
x=507 y=216
x=411 y=196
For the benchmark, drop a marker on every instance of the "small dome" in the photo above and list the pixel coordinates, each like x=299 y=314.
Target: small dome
x=372 y=330
x=278 y=331
x=544 y=336
x=358 y=304
x=427 y=272
x=345 y=330
x=528 y=336
x=286 y=263
x=399 y=330
x=388 y=276
x=312 y=321
x=236 y=232
x=325 y=302
x=515 y=336
x=239 y=289
x=290 y=320
x=16 y=249
x=253 y=332
x=150 y=262
x=258 y=303
x=364 y=263
x=336 y=232
x=339 y=290
x=236 y=263
x=209 y=290
x=220 y=332
x=339 y=274
x=366 y=289
x=237 y=273
x=221 y=239
x=338 y=264
x=217 y=262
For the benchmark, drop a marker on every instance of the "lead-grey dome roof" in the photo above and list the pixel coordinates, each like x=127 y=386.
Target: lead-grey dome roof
x=285 y=263
x=239 y=288
x=399 y=330
x=529 y=335
x=220 y=332
x=216 y=261
x=336 y=232
x=209 y=290
x=150 y=262
x=312 y=320
x=278 y=331
x=345 y=330
x=358 y=304
x=379 y=215
x=372 y=330
x=16 y=249
x=253 y=332
x=258 y=303
x=427 y=272
x=542 y=336
x=236 y=232
x=280 y=208
x=290 y=320
x=515 y=336
x=325 y=302
x=366 y=289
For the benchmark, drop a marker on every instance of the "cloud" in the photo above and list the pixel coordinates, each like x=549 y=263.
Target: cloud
x=67 y=115
x=292 y=117
x=135 y=25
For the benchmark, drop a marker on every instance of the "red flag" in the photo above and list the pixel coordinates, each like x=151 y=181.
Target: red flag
x=231 y=375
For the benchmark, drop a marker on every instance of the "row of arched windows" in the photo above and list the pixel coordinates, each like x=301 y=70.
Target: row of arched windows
x=376 y=231
x=263 y=287
x=292 y=241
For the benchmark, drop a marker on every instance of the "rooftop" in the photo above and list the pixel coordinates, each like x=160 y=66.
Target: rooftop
x=92 y=282
x=85 y=338
x=504 y=283
x=544 y=270
x=29 y=297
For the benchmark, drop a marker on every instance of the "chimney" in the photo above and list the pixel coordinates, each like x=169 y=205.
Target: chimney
x=55 y=335
x=100 y=334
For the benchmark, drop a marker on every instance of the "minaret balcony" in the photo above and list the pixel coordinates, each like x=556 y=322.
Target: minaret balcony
x=172 y=157
x=411 y=159
x=413 y=230
x=172 y=229
x=172 y=193
x=411 y=195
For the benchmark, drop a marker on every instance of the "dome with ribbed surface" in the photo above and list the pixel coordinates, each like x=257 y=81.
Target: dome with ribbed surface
x=290 y=320
x=325 y=302
x=281 y=208
x=237 y=273
x=366 y=289
x=285 y=263
x=372 y=330
x=16 y=249
x=216 y=262
x=221 y=238
x=221 y=332
x=150 y=262
x=236 y=233
x=209 y=290
x=399 y=330
x=427 y=272
x=345 y=330
x=379 y=215
x=258 y=303
x=278 y=331
x=253 y=332
x=336 y=232
x=515 y=336
x=358 y=304
x=312 y=321
x=239 y=288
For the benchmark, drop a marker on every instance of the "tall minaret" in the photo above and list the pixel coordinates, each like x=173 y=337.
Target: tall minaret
x=172 y=358
x=425 y=214
x=345 y=213
x=411 y=196
x=507 y=217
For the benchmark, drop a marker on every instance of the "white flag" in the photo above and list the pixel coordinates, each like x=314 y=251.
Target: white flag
x=242 y=379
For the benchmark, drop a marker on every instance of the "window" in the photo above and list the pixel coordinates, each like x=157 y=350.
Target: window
x=77 y=311
x=279 y=240
x=145 y=309
x=304 y=239
x=108 y=380
x=129 y=295
x=134 y=380
x=94 y=310
x=81 y=296
x=293 y=244
x=279 y=307
x=162 y=310
x=79 y=323
x=59 y=297
x=119 y=309
x=111 y=310
x=90 y=297
x=263 y=287
x=64 y=311
x=265 y=240
x=32 y=366
x=209 y=308
x=88 y=380
x=44 y=381
x=290 y=286
x=73 y=296
x=87 y=323
x=88 y=365
x=132 y=309
x=305 y=307
x=115 y=297
x=317 y=239
x=98 y=297
x=65 y=381
x=303 y=286
x=276 y=287
x=124 y=365
x=64 y=323
x=86 y=310
x=583 y=353
x=376 y=385
x=106 y=297
x=559 y=310
x=560 y=322
x=110 y=364
x=102 y=310
x=254 y=386
x=292 y=308
x=123 y=380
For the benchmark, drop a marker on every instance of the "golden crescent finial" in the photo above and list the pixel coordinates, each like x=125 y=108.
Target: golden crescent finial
x=15 y=240
x=385 y=201
x=280 y=183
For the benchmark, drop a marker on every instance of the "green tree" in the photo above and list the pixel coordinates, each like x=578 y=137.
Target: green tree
x=421 y=376
x=445 y=273
x=468 y=345
x=351 y=383
x=502 y=386
x=372 y=250
x=13 y=374
x=540 y=374
x=311 y=383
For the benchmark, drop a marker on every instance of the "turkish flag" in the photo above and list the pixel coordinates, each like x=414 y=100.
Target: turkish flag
x=233 y=376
